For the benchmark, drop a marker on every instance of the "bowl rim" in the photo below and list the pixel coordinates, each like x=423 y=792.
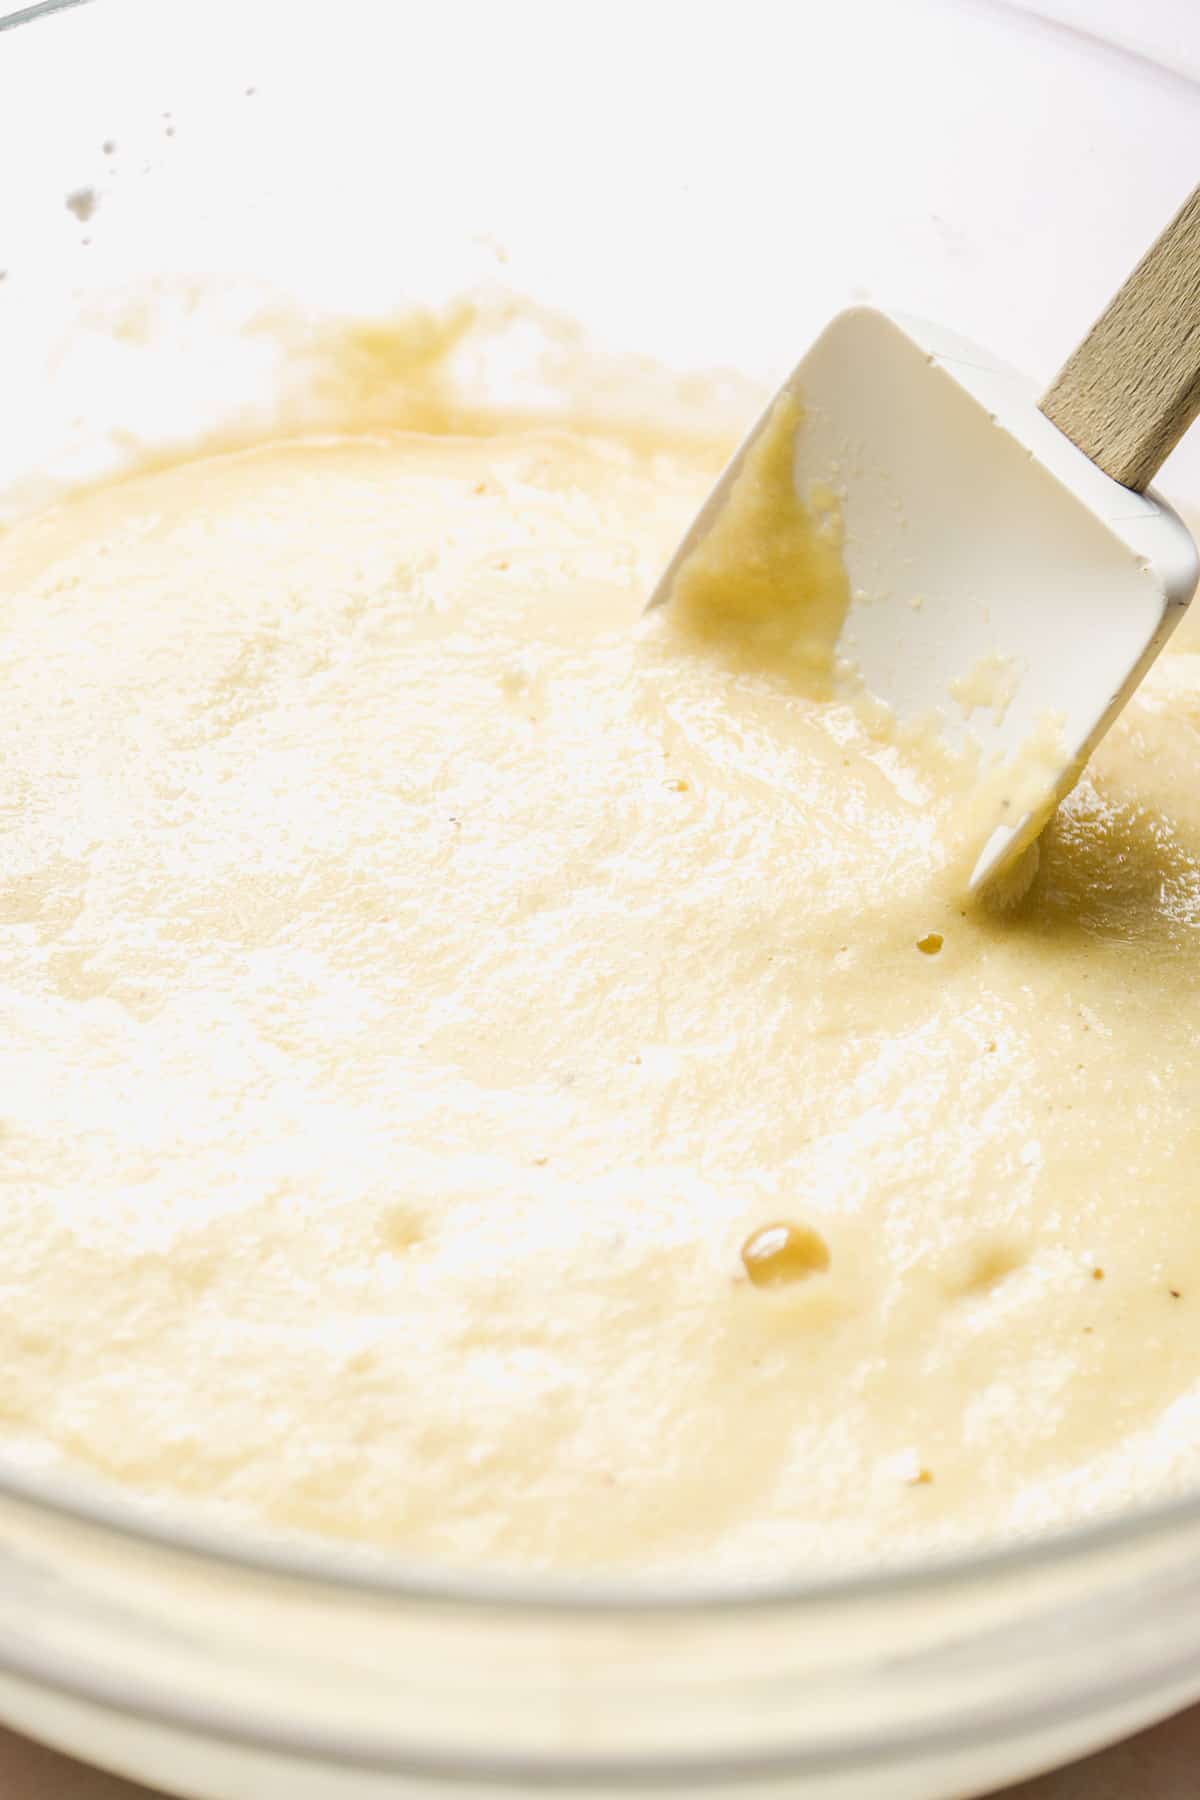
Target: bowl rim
x=25 y=14
x=375 y=1573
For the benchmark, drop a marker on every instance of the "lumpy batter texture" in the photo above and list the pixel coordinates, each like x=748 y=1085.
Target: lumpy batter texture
x=490 y=1079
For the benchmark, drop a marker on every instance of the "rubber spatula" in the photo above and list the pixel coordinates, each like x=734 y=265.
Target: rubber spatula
x=988 y=528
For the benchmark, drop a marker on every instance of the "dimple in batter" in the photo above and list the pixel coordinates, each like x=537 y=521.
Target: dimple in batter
x=421 y=989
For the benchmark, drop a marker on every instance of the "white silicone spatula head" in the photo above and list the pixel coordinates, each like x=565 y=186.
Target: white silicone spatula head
x=990 y=534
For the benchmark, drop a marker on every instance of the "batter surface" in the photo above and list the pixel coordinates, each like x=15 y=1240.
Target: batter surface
x=423 y=994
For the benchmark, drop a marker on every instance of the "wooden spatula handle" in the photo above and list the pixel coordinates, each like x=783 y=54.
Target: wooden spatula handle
x=1132 y=388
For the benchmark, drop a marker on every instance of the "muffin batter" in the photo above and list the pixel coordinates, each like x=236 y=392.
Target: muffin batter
x=424 y=994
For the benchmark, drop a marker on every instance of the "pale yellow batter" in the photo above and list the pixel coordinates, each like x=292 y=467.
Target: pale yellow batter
x=486 y=1079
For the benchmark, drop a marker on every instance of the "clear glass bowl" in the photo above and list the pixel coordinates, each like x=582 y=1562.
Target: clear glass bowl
x=702 y=187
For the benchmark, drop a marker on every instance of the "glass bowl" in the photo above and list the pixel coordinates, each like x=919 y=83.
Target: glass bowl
x=699 y=188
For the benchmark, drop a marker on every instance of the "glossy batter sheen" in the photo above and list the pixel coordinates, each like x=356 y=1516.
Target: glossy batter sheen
x=422 y=993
